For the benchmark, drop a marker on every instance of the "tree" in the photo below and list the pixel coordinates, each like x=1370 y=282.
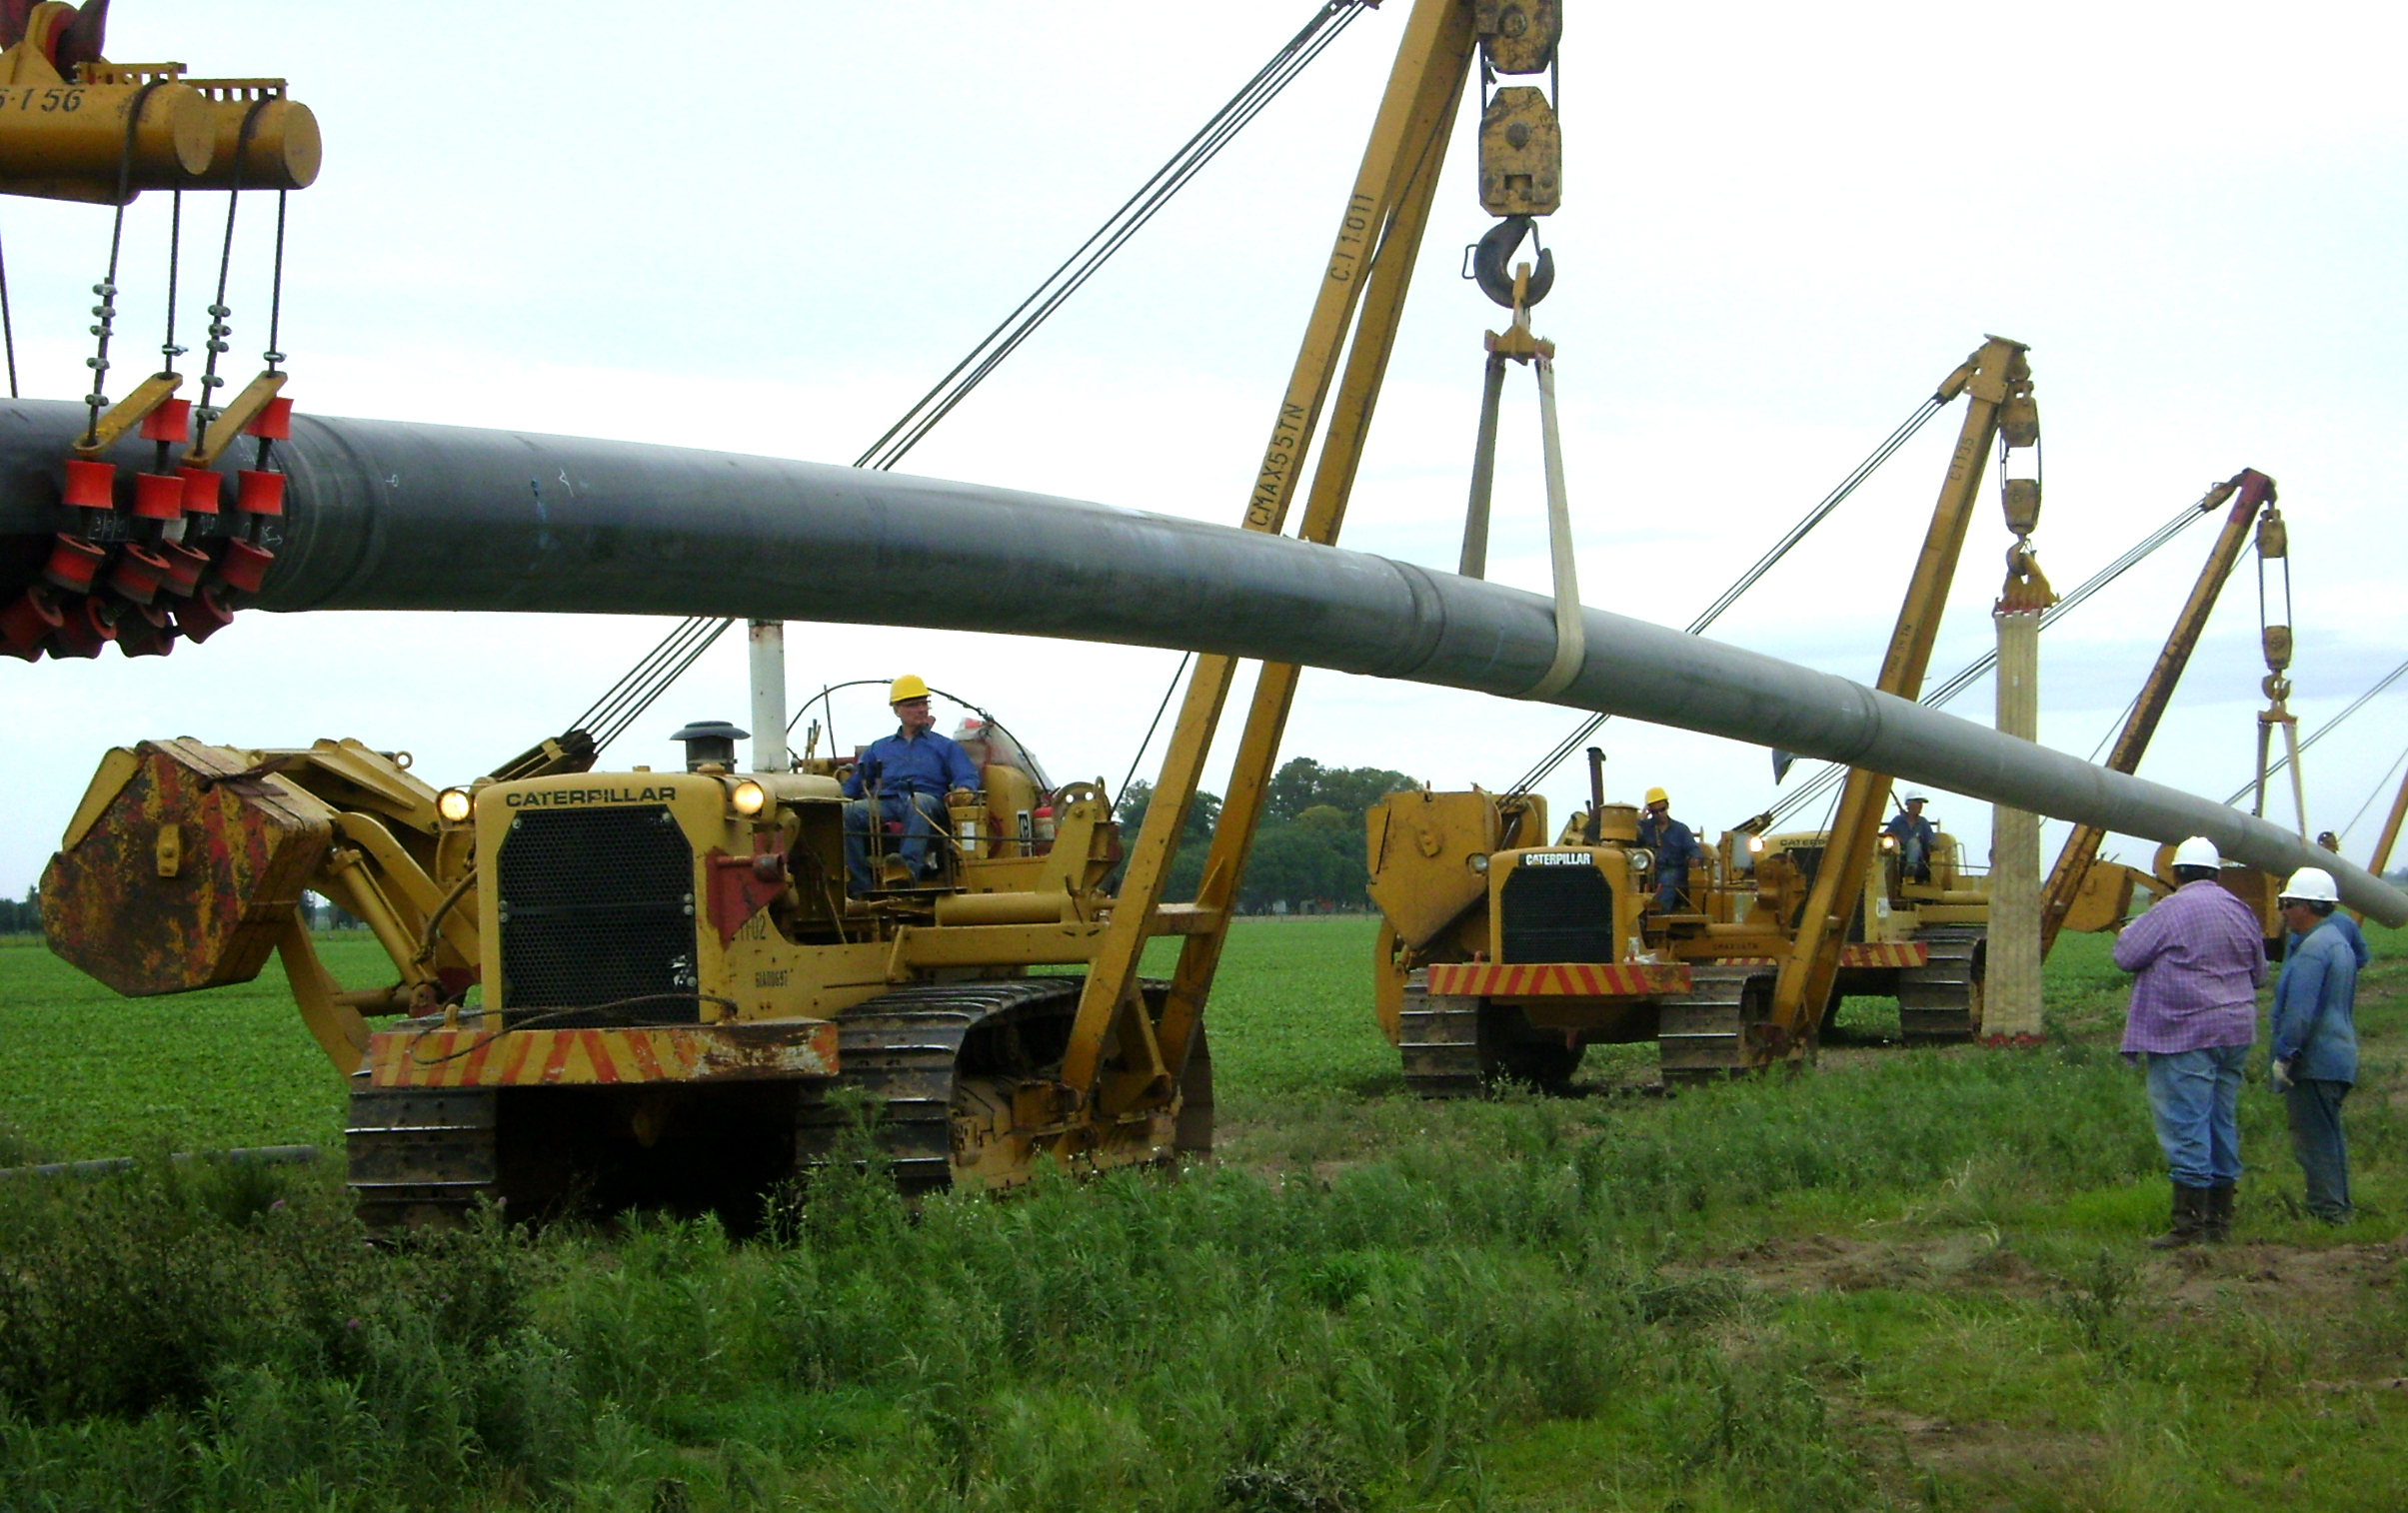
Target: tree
x=1187 y=868
x=1302 y=784
x=1309 y=846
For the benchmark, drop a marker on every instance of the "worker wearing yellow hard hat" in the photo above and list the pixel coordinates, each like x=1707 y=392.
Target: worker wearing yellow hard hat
x=1913 y=836
x=903 y=780
x=1676 y=847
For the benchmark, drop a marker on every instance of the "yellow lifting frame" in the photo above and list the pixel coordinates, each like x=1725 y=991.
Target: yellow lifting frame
x=1989 y=379
x=1371 y=267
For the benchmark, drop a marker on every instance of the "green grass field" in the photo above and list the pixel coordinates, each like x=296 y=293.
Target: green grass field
x=1903 y=1280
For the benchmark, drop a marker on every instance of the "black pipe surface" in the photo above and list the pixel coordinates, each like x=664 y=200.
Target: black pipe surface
x=381 y=514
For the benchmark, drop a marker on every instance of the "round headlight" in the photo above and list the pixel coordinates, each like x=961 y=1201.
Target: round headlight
x=1478 y=861
x=455 y=806
x=1755 y=844
x=748 y=798
x=1889 y=842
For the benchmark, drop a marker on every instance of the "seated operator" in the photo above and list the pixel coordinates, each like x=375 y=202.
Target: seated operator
x=1915 y=837
x=1675 y=846
x=906 y=777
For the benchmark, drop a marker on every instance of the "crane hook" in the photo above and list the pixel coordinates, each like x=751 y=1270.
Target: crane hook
x=1492 y=268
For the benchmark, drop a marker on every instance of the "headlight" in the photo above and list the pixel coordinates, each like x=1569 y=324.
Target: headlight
x=455 y=806
x=1755 y=844
x=1889 y=842
x=1641 y=860
x=1478 y=861
x=747 y=798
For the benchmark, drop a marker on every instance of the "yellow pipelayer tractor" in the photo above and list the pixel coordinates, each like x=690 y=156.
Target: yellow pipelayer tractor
x=1503 y=956
x=669 y=968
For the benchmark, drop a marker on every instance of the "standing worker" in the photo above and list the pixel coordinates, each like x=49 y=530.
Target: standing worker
x=1915 y=838
x=1675 y=846
x=2198 y=962
x=906 y=777
x=2315 y=1036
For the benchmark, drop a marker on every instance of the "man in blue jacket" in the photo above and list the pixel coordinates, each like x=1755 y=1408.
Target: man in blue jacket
x=903 y=778
x=1914 y=838
x=1676 y=847
x=2315 y=1035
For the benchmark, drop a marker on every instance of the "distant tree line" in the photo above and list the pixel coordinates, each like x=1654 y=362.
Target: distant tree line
x=1309 y=851
x=24 y=917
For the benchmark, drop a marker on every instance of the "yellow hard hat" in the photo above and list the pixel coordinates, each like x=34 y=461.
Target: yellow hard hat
x=908 y=685
x=1658 y=796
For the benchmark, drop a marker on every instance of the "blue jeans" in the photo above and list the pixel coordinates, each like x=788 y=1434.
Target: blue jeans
x=2314 y=1108
x=916 y=813
x=2195 y=1098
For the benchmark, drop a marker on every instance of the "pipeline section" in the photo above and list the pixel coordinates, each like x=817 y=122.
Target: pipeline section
x=381 y=514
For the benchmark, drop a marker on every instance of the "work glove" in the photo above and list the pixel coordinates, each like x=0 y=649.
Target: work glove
x=2278 y=1076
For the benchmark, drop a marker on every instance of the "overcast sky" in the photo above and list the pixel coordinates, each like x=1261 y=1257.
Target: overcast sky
x=767 y=227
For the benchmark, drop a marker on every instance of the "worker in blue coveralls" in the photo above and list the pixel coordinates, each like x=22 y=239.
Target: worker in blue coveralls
x=2315 y=1035
x=1914 y=838
x=903 y=777
x=1675 y=846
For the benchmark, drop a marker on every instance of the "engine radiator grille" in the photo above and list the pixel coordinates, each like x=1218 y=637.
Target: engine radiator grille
x=1558 y=913
x=597 y=907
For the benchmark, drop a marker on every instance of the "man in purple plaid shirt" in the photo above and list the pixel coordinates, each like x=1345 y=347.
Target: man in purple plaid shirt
x=2199 y=960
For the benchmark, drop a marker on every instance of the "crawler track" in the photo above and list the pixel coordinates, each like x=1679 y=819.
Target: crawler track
x=1702 y=1033
x=1440 y=1038
x=1940 y=1003
x=1453 y=1047
x=422 y=1156
x=904 y=1049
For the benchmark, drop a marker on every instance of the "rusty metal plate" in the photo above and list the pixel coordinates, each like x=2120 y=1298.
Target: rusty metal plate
x=757 y=1050
x=187 y=876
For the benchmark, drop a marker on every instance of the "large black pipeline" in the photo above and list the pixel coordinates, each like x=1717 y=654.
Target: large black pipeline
x=387 y=516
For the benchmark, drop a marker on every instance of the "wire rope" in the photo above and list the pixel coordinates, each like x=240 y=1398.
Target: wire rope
x=1329 y=21
x=1563 y=748
x=2380 y=785
x=2388 y=679
x=8 y=325
x=1156 y=723
x=1964 y=677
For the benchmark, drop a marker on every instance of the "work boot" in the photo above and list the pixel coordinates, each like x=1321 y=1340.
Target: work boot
x=2190 y=1219
x=2219 y=1213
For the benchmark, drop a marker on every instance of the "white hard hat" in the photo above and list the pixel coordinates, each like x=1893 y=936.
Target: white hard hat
x=2198 y=851
x=2312 y=884
x=1919 y=799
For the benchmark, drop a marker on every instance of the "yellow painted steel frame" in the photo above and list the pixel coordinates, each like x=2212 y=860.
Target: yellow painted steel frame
x=2249 y=491
x=1989 y=378
x=1371 y=266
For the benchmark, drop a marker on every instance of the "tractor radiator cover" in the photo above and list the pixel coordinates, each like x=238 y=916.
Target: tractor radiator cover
x=596 y=914
x=1556 y=914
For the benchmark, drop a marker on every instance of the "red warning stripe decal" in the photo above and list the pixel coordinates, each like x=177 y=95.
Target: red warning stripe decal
x=1570 y=979
x=600 y=1057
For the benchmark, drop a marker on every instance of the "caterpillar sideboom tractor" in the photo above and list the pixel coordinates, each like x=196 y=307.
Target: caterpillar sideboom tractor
x=669 y=972
x=1503 y=956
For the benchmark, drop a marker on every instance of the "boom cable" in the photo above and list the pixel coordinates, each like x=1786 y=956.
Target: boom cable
x=1563 y=748
x=2388 y=679
x=2380 y=785
x=635 y=692
x=1964 y=677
